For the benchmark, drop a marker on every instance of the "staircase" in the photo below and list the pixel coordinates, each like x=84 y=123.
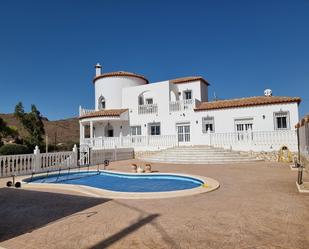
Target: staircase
x=198 y=155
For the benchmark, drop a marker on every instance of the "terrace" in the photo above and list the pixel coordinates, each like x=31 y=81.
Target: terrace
x=257 y=206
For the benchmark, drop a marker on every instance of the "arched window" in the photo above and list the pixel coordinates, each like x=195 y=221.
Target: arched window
x=101 y=103
x=140 y=99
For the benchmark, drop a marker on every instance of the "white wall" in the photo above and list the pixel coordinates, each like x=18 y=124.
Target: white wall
x=111 y=89
x=160 y=93
x=123 y=92
x=196 y=88
x=118 y=126
x=224 y=118
x=263 y=116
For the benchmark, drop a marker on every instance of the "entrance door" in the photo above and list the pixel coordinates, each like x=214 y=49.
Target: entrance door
x=183 y=133
x=244 y=129
x=110 y=133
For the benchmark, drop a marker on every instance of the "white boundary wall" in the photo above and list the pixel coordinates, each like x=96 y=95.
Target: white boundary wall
x=37 y=162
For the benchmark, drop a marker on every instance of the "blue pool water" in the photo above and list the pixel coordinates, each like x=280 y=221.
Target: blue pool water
x=122 y=182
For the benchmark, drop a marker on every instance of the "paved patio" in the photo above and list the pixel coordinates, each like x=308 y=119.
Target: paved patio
x=257 y=206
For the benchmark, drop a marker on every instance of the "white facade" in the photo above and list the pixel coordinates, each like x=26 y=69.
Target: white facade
x=177 y=112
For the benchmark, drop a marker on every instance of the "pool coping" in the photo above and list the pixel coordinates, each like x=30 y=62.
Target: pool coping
x=210 y=185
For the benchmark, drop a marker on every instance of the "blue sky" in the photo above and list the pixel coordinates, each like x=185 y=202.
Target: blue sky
x=48 y=48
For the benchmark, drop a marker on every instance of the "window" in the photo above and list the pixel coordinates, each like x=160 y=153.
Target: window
x=244 y=127
x=136 y=131
x=245 y=124
x=187 y=94
x=281 y=120
x=208 y=124
x=155 y=129
x=149 y=101
x=101 y=103
x=140 y=100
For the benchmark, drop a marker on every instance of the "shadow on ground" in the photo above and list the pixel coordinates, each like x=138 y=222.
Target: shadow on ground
x=124 y=232
x=143 y=219
x=22 y=211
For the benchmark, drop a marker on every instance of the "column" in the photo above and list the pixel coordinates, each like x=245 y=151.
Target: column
x=91 y=133
x=81 y=132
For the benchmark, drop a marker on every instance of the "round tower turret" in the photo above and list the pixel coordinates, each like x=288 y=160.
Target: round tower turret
x=108 y=87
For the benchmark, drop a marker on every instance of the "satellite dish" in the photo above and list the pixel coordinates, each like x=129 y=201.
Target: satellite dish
x=268 y=92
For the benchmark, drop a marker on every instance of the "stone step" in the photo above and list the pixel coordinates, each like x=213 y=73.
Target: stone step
x=201 y=158
x=201 y=162
x=198 y=155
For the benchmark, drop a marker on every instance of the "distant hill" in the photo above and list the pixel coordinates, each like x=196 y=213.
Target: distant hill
x=58 y=131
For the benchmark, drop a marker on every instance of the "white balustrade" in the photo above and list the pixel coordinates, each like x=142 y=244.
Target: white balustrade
x=163 y=141
x=37 y=162
x=57 y=160
x=134 y=141
x=16 y=164
x=256 y=140
x=83 y=111
x=181 y=105
x=148 y=109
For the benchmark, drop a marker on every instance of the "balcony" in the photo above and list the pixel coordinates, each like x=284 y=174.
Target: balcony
x=148 y=109
x=182 y=105
x=83 y=111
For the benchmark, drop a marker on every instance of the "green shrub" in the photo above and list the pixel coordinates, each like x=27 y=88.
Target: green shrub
x=14 y=149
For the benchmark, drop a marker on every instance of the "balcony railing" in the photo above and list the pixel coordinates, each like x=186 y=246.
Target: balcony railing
x=83 y=111
x=162 y=141
x=148 y=109
x=181 y=105
x=242 y=141
x=255 y=140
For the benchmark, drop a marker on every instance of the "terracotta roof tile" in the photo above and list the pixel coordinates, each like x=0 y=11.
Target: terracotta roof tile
x=104 y=113
x=189 y=79
x=120 y=73
x=244 y=102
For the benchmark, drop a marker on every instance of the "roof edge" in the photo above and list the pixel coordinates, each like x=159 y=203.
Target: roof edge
x=119 y=73
x=189 y=79
x=291 y=100
x=100 y=113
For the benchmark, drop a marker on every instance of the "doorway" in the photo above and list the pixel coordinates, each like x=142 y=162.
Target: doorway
x=183 y=133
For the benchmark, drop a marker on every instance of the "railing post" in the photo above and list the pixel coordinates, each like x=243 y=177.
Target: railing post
x=207 y=140
x=121 y=139
x=75 y=155
x=37 y=159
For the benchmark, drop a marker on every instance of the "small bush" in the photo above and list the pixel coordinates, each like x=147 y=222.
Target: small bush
x=14 y=149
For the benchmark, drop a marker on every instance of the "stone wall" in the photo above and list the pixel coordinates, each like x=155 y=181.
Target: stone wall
x=272 y=156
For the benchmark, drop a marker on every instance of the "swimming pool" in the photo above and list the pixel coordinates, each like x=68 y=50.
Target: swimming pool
x=120 y=182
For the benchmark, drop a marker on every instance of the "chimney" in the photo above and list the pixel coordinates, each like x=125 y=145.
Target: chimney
x=98 y=69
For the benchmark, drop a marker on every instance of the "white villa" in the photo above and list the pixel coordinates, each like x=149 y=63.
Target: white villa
x=131 y=113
